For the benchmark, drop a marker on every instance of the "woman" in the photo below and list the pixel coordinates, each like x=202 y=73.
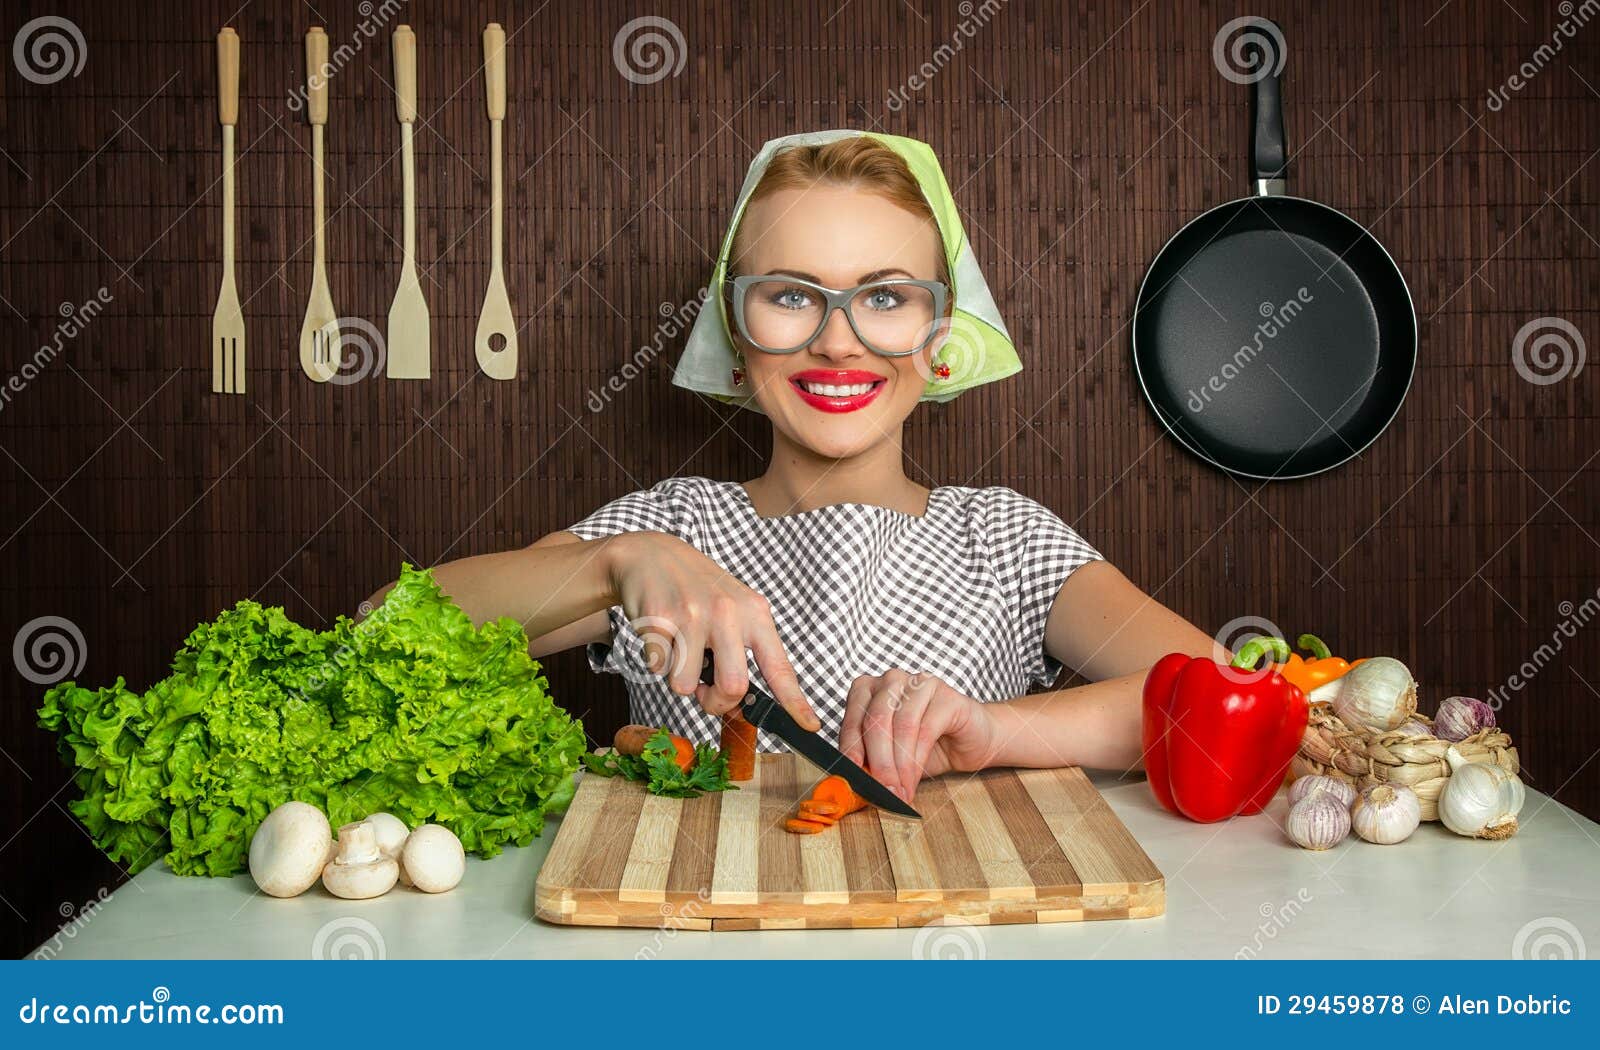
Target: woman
x=905 y=622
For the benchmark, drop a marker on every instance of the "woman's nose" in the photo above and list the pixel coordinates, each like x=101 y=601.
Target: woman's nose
x=838 y=340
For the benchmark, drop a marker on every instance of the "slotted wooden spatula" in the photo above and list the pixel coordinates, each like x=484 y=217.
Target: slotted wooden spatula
x=227 y=323
x=319 y=333
x=408 y=314
x=496 y=342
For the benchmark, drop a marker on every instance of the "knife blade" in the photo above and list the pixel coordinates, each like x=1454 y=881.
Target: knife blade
x=764 y=712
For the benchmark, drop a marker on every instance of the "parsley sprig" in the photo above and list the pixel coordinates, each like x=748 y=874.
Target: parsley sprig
x=658 y=769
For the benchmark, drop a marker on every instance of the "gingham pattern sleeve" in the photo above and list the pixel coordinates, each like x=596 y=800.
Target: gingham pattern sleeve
x=1035 y=551
x=661 y=508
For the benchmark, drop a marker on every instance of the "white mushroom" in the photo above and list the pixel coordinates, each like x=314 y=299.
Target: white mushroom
x=358 y=870
x=289 y=849
x=434 y=859
x=391 y=832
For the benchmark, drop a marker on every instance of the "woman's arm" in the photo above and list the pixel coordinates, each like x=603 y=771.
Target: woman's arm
x=1111 y=631
x=559 y=589
x=1105 y=627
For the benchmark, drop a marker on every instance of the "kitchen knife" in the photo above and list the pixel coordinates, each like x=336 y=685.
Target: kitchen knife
x=763 y=712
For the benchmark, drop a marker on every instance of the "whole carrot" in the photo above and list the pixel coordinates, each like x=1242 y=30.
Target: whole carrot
x=739 y=746
x=630 y=740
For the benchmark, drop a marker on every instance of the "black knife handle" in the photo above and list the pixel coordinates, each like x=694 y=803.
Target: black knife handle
x=763 y=712
x=758 y=708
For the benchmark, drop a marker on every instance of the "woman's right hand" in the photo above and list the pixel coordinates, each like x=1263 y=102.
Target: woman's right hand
x=682 y=603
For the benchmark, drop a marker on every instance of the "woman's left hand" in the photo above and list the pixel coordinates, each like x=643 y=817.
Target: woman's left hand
x=902 y=727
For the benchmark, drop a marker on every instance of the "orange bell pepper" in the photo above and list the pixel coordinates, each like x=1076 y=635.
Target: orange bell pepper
x=1322 y=668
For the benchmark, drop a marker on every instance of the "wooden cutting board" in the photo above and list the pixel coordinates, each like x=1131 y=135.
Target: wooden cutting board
x=996 y=847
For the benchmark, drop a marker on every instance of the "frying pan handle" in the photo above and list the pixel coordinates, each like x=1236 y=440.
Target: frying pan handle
x=1268 y=151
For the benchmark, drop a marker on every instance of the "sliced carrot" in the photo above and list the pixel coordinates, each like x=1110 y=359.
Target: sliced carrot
x=836 y=790
x=826 y=809
x=803 y=827
x=739 y=745
x=813 y=815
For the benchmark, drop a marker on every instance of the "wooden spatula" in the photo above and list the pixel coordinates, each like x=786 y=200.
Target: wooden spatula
x=408 y=314
x=496 y=342
x=319 y=334
x=227 y=323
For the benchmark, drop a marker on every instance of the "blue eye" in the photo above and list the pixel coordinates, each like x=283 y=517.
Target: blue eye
x=884 y=299
x=791 y=298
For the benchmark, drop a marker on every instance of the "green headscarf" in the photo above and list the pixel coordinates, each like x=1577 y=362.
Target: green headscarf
x=977 y=348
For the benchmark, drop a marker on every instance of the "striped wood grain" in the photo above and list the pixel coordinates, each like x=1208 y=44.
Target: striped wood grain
x=1003 y=846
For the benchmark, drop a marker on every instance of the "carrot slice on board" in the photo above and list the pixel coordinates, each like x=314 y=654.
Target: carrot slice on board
x=836 y=790
x=803 y=827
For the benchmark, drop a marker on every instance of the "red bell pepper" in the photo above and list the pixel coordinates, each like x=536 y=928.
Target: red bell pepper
x=1218 y=738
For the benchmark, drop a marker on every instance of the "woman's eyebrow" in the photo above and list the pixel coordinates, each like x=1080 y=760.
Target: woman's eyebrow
x=866 y=278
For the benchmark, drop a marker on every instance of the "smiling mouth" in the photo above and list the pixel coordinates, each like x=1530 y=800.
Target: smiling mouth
x=835 y=389
x=834 y=396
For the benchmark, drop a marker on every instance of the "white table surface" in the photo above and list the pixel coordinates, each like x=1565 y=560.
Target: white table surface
x=1230 y=887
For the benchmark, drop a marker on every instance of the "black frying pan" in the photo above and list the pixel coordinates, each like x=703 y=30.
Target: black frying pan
x=1273 y=336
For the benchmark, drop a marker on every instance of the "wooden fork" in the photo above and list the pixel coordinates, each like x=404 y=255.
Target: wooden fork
x=227 y=324
x=319 y=333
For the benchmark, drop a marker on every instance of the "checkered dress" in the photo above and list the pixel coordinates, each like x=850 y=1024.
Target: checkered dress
x=962 y=592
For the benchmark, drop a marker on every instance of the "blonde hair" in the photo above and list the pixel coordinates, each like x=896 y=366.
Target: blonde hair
x=859 y=161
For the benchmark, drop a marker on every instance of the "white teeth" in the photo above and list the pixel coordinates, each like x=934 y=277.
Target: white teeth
x=830 y=390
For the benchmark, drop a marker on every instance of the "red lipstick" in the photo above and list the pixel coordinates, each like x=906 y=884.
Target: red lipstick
x=837 y=389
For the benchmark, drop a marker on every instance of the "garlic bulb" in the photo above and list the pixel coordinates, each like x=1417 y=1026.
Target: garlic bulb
x=1318 y=821
x=1415 y=730
x=1480 y=800
x=1461 y=716
x=1378 y=693
x=1306 y=787
x=1386 y=813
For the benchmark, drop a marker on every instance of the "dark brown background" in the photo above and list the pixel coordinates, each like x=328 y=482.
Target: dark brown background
x=1077 y=138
